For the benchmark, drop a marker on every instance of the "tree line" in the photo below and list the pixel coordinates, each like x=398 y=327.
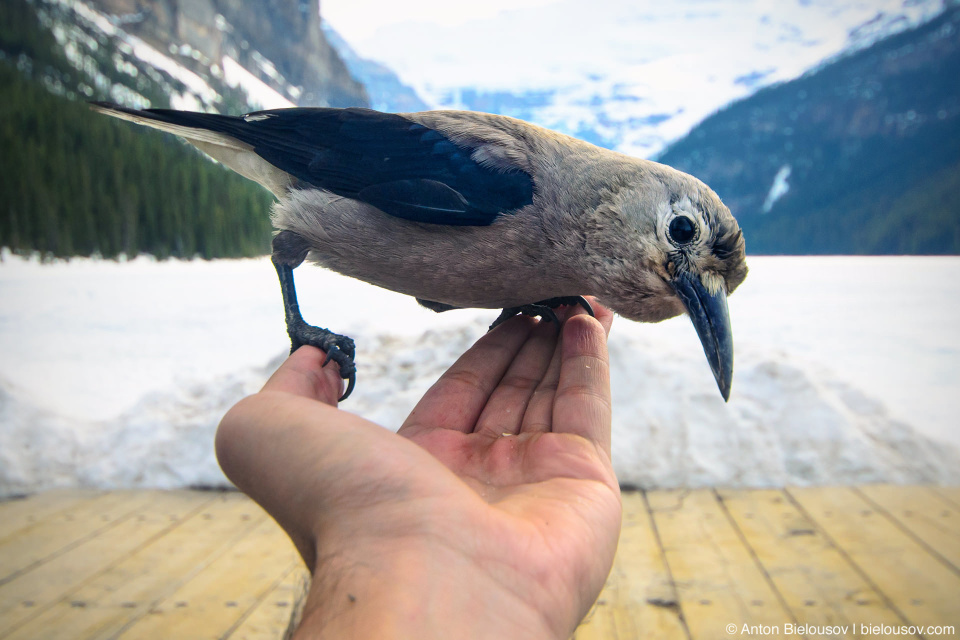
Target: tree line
x=77 y=183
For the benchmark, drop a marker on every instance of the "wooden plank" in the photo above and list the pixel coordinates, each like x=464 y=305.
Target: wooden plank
x=52 y=536
x=952 y=494
x=20 y=513
x=925 y=514
x=717 y=578
x=818 y=584
x=921 y=588
x=599 y=622
x=33 y=592
x=129 y=589
x=215 y=600
x=94 y=568
x=639 y=599
x=270 y=618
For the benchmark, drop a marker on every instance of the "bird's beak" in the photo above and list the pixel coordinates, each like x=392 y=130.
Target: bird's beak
x=711 y=319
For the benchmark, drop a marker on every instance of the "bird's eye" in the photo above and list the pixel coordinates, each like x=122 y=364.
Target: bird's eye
x=682 y=230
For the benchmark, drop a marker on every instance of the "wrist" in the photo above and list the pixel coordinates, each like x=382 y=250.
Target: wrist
x=415 y=590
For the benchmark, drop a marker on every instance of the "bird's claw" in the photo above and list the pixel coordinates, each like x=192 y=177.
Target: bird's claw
x=532 y=310
x=340 y=349
x=544 y=309
x=570 y=301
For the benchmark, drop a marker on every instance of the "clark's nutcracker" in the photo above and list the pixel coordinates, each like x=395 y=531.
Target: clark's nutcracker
x=463 y=209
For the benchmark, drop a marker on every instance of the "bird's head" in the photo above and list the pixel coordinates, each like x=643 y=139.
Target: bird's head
x=691 y=256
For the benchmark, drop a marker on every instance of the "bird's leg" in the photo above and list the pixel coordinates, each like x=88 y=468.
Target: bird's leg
x=544 y=308
x=289 y=251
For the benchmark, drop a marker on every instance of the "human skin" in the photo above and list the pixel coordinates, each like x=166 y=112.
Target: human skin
x=493 y=512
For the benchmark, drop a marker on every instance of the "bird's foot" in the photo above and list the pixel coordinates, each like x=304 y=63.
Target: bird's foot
x=544 y=309
x=340 y=349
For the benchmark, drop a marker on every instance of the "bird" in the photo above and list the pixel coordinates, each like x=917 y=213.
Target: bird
x=463 y=209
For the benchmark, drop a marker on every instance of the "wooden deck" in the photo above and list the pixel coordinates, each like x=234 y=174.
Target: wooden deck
x=184 y=564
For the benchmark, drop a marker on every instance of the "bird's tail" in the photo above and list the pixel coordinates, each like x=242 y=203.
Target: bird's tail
x=209 y=132
x=193 y=127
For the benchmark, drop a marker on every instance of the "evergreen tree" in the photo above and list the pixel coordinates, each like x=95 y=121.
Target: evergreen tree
x=74 y=182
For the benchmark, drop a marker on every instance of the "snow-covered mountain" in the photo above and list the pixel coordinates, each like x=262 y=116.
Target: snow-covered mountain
x=628 y=75
x=859 y=156
x=386 y=91
x=211 y=55
x=632 y=76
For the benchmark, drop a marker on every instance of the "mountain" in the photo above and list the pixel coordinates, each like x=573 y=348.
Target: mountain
x=386 y=91
x=211 y=55
x=278 y=41
x=73 y=182
x=860 y=156
x=631 y=76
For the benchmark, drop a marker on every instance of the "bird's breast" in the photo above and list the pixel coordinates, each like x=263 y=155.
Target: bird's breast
x=507 y=263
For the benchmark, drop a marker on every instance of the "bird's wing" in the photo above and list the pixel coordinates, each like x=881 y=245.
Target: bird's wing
x=402 y=167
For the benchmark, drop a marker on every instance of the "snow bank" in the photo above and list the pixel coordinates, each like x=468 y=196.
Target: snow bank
x=116 y=374
x=787 y=425
x=165 y=440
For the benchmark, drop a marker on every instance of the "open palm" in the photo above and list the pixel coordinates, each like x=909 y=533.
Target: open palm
x=499 y=485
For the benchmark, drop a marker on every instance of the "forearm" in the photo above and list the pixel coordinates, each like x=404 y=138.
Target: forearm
x=420 y=592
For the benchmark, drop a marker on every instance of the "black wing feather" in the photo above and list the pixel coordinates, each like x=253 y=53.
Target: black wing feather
x=403 y=168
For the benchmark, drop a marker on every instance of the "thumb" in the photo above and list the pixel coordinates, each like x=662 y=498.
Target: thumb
x=304 y=374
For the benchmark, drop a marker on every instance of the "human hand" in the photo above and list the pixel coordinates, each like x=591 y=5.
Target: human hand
x=451 y=527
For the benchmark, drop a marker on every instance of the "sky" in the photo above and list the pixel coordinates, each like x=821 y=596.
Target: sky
x=358 y=20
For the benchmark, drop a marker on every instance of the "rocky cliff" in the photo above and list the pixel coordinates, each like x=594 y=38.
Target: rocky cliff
x=280 y=42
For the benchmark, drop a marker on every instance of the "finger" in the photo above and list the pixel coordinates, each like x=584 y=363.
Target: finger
x=505 y=410
x=603 y=315
x=582 y=403
x=457 y=398
x=304 y=374
x=539 y=413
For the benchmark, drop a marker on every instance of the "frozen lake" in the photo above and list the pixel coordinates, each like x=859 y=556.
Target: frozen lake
x=847 y=370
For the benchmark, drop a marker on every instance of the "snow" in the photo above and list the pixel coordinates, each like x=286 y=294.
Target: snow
x=257 y=91
x=634 y=75
x=778 y=189
x=147 y=53
x=136 y=56
x=158 y=60
x=115 y=374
